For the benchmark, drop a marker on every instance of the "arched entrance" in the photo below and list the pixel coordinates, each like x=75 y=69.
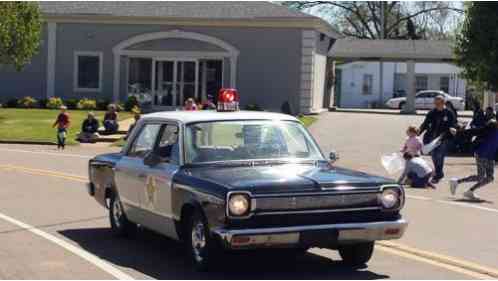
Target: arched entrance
x=165 y=68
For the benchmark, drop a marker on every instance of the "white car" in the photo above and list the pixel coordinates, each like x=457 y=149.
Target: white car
x=425 y=100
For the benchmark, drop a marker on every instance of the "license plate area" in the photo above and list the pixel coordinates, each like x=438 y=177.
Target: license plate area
x=324 y=237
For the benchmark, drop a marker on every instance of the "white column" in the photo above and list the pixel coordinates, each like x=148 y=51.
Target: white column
x=410 y=88
x=381 y=83
x=233 y=72
x=115 y=84
x=196 y=83
x=51 y=51
x=153 y=82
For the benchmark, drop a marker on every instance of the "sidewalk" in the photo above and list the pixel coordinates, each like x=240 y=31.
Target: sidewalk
x=461 y=114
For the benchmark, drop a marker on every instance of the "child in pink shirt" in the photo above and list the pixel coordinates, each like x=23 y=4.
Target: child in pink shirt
x=412 y=145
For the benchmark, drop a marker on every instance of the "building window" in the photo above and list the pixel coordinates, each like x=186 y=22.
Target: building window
x=444 y=84
x=88 y=71
x=367 y=84
x=421 y=83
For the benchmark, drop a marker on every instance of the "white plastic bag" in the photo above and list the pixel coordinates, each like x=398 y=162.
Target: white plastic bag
x=426 y=149
x=393 y=162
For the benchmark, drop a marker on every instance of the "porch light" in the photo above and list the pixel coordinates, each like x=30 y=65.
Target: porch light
x=228 y=100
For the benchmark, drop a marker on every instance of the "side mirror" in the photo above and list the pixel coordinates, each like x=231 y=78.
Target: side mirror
x=333 y=156
x=152 y=159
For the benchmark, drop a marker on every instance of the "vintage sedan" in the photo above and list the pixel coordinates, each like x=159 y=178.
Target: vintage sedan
x=229 y=181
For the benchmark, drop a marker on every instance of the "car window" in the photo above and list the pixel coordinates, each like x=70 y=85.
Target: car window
x=423 y=95
x=168 y=147
x=145 y=141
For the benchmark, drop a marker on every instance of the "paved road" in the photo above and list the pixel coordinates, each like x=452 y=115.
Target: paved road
x=51 y=229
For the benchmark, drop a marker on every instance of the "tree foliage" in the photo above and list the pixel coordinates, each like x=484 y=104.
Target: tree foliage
x=20 y=28
x=476 y=47
x=385 y=19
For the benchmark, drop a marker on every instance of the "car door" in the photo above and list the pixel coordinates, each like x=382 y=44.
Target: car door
x=130 y=171
x=429 y=100
x=156 y=193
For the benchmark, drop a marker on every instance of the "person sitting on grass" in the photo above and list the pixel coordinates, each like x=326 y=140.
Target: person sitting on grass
x=417 y=172
x=62 y=123
x=111 y=120
x=485 y=150
x=89 y=129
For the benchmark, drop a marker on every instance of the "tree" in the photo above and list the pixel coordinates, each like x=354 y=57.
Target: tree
x=20 y=28
x=385 y=20
x=476 y=47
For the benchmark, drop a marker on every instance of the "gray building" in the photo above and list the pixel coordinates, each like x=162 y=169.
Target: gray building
x=165 y=52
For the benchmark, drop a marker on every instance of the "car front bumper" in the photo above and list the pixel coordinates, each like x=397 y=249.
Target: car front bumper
x=327 y=235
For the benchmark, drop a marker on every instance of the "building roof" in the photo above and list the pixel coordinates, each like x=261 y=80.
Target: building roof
x=173 y=9
x=211 y=115
x=211 y=13
x=393 y=50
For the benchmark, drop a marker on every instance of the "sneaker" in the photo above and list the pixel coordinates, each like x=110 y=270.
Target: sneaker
x=453 y=185
x=469 y=194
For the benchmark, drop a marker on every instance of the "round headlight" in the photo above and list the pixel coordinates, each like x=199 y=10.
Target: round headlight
x=238 y=204
x=389 y=198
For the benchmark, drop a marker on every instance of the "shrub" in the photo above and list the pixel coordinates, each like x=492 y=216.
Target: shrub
x=120 y=107
x=71 y=103
x=102 y=104
x=27 y=102
x=54 y=103
x=42 y=103
x=12 y=103
x=253 y=107
x=87 y=104
x=130 y=103
x=136 y=110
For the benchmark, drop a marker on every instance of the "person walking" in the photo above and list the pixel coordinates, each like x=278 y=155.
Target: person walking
x=62 y=123
x=439 y=122
x=486 y=147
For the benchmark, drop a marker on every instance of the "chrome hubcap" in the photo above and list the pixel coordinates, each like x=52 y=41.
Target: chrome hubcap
x=117 y=212
x=198 y=240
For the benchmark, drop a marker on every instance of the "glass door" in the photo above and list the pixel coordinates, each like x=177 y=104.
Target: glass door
x=175 y=81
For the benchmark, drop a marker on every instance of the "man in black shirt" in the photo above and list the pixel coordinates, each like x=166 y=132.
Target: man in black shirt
x=89 y=129
x=439 y=122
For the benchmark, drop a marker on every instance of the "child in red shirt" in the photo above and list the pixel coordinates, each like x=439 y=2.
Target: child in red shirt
x=62 y=122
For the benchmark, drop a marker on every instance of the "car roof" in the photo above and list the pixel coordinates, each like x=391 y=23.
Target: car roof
x=212 y=115
x=431 y=91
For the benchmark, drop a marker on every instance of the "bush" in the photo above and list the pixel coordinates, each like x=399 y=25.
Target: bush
x=71 y=103
x=27 y=102
x=54 y=103
x=136 y=110
x=130 y=103
x=121 y=107
x=87 y=104
x=12 y=103
x=42 y=103
x=102 y=104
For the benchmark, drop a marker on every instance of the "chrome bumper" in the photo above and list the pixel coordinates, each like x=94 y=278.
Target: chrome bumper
x=293 y=236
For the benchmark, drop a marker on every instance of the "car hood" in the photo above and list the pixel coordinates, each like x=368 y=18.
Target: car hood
x=285 y=178
x=111 y=158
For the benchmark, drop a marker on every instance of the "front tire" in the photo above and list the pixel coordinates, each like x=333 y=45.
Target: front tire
x=402 y=105
x=356 y=254
x=120 y=225
x=202 y=248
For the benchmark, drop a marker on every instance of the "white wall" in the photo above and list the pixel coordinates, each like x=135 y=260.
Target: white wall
x=319 y=71
x=352 y=79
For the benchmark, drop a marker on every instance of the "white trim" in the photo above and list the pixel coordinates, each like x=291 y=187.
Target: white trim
x=308 y=44
x=120 y=49
x=51 y=52
x=77 y=54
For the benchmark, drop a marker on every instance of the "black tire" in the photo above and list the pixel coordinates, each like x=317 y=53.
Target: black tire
x=120 y=225
x=203 y=253
x=356 y=254
x=402 y=105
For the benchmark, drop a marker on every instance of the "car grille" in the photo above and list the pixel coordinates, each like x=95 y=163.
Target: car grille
x=316 y=202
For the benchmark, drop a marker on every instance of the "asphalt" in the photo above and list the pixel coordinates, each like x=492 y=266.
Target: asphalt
x=45 y=190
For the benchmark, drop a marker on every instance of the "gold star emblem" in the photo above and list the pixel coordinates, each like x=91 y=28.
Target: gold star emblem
x=151 y=190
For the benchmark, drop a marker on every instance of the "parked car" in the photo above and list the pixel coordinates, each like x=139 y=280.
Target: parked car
x=425 y=100
x=231 y=181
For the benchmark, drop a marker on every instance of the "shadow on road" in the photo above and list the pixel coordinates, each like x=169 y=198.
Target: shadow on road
x=162 y=258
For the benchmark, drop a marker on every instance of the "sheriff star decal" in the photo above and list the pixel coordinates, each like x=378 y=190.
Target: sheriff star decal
x=150 y=191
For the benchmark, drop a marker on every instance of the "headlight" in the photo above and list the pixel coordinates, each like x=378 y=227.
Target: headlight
x=390 y=198
x=238 y=204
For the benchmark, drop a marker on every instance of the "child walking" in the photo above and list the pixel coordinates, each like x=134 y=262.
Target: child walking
x=485 y=149
x=62 y=123
x=413 y=144
x=417 y=171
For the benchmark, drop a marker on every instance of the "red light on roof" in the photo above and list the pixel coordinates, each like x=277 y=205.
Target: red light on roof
x=228 y=100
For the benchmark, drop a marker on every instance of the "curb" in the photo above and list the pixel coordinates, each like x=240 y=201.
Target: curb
x=27 y=142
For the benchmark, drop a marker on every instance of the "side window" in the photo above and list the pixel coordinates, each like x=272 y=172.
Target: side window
x=145 y=141
x=168 y=147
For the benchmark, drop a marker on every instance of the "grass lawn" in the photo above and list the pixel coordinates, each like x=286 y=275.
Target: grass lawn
x=307 y=120
x=36 y=124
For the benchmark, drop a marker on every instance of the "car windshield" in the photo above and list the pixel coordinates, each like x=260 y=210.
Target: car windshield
x=248 y=140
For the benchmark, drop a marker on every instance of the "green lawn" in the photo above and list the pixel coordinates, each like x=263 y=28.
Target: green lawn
x=307 y=120
x=36 y=124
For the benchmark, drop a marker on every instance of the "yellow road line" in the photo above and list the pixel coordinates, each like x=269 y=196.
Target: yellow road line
x=452 y=263
x=44 y=173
